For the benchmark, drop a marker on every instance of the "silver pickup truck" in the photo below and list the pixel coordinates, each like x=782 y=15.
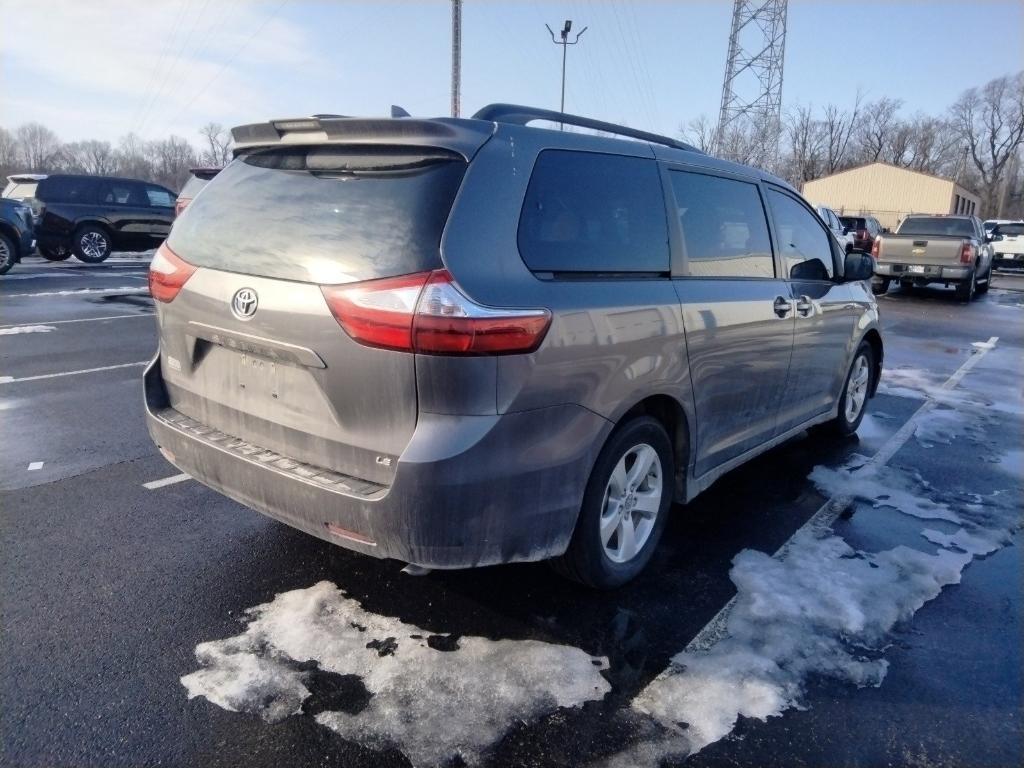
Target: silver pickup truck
x=951 y=250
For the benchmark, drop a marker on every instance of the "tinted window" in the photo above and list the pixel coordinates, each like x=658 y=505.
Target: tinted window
x=938 y=226
x=724 y=228
x=805 y=245
x=853 y=222
x=1010 y=229
x=159 y=197
x=114 y=192
x=323 y=215
x=66 y=189
x=588 y=212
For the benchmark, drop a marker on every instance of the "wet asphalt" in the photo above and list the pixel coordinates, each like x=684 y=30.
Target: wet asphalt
x=107 y=587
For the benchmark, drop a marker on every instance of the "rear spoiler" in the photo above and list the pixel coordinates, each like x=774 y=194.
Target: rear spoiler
x=462 y=136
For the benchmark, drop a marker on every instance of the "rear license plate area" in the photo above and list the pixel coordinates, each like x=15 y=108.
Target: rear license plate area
x=915 y=269
x=259 y=376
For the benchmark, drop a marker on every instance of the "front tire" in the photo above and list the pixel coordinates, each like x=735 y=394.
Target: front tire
x=624 y=508
x=853 y=400
x=8 y=254
x=92 y=244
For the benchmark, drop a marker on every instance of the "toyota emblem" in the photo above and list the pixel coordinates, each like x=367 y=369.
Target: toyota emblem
x=244 y=303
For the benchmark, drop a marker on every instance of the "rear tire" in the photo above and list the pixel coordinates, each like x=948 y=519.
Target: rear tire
x=624 y=508
x=8 y=254
x=91 y=244
x=55 y=253
x=983 y=287
x=965 y=291
x=853 y=400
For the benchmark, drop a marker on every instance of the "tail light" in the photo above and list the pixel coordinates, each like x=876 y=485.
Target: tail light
x=181 y=204
x=428 y=314
x=876 y=248
x=862 y=234
x=967 y=254
x=168 y=272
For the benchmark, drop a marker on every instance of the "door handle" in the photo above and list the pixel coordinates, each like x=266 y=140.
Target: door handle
x=782 y=306
x=804 y=306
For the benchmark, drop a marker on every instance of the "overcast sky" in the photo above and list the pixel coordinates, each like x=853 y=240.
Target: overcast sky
x=101 y=68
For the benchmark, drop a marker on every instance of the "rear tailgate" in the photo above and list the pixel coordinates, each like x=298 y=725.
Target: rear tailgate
x=281 y=223
x=926 y=250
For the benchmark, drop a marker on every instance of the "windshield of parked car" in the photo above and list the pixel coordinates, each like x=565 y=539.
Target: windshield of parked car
x=939 y=226
x=852 y=222
x=323 y=214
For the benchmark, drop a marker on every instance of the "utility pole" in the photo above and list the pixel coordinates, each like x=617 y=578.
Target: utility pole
x=456 y=55
x=564 y=42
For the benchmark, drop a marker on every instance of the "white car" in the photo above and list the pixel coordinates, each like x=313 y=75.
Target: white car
x=842 y=233
x=1008 y=244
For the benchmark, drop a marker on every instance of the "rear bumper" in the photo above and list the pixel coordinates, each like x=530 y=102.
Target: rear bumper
x=935 y=273
x=468 y=490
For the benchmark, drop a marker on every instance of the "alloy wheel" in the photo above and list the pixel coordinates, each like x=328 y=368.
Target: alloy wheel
x=632 y=500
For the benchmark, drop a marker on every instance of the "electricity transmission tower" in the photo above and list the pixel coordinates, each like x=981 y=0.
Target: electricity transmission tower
x=750 y=119
x=456 y=55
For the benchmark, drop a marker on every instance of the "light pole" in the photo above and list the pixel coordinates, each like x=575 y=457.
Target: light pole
x=564 y=42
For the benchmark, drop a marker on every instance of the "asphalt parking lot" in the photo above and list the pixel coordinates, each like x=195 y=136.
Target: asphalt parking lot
x=887 y=631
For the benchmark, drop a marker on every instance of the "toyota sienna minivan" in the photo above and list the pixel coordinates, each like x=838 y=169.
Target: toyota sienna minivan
x=461 y=342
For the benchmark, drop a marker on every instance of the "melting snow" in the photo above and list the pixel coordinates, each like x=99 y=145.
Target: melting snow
x=432 y=704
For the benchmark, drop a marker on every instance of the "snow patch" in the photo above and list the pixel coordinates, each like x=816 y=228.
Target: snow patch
x=26 y=329
x=825 y=609
x=432 y=704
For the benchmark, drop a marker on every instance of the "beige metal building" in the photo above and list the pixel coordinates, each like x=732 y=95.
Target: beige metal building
x=889 y=193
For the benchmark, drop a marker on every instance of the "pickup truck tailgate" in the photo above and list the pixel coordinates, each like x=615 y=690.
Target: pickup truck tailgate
x=921 y=249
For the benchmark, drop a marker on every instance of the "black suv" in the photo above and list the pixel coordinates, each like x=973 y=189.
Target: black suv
x=91 y=216
x=865 y=229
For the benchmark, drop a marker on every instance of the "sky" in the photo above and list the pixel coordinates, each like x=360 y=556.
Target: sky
x=102 y=68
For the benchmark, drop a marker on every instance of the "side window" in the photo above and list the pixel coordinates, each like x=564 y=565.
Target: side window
x=159 y=197
x=806 y=247
x=69 y=190
x=587 y=212
x=725 y=231
x=116 y=193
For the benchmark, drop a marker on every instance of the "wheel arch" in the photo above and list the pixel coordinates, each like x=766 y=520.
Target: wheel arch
x=874 y=340
x=12 y=235
x=670 y=412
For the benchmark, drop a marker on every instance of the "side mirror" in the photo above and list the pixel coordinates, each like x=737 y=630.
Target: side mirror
x=858 y=266
x=990 y=236
x=846 y=230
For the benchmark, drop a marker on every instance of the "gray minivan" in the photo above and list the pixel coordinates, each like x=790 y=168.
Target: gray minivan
x=461 y=342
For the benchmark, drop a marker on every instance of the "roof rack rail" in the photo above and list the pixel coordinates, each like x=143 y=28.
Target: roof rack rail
x=520 y=115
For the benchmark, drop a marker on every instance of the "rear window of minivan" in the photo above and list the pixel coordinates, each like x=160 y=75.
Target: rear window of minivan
x=323 y=214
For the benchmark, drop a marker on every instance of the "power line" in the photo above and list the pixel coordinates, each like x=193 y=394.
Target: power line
x=231 y=60
x=147 y=93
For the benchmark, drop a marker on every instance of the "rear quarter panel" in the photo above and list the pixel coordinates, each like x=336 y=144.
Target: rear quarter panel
x=612 y=341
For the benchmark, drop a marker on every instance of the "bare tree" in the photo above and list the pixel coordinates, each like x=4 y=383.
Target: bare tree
x=171 y=160
x=9 y=160
x=806 y=143
x=875 y=127
x=838 y=126
x=92 y=156
x=131 y=158
x=990 y=122
x=700 y=132
x=38 y=145
x=218 y=141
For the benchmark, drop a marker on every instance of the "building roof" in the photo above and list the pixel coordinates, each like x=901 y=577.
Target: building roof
x=862 y=166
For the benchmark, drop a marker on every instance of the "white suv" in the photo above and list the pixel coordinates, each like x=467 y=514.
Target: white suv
x=842 y=233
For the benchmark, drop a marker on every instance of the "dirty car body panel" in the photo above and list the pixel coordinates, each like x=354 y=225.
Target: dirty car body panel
x=449 y=459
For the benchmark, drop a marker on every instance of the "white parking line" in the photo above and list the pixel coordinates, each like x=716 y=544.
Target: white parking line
x=34 y=465
x=12 y=380
x=11 y=330
x=77 y=291
x=154 y=484
x=84 y=320
x=826 y=515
